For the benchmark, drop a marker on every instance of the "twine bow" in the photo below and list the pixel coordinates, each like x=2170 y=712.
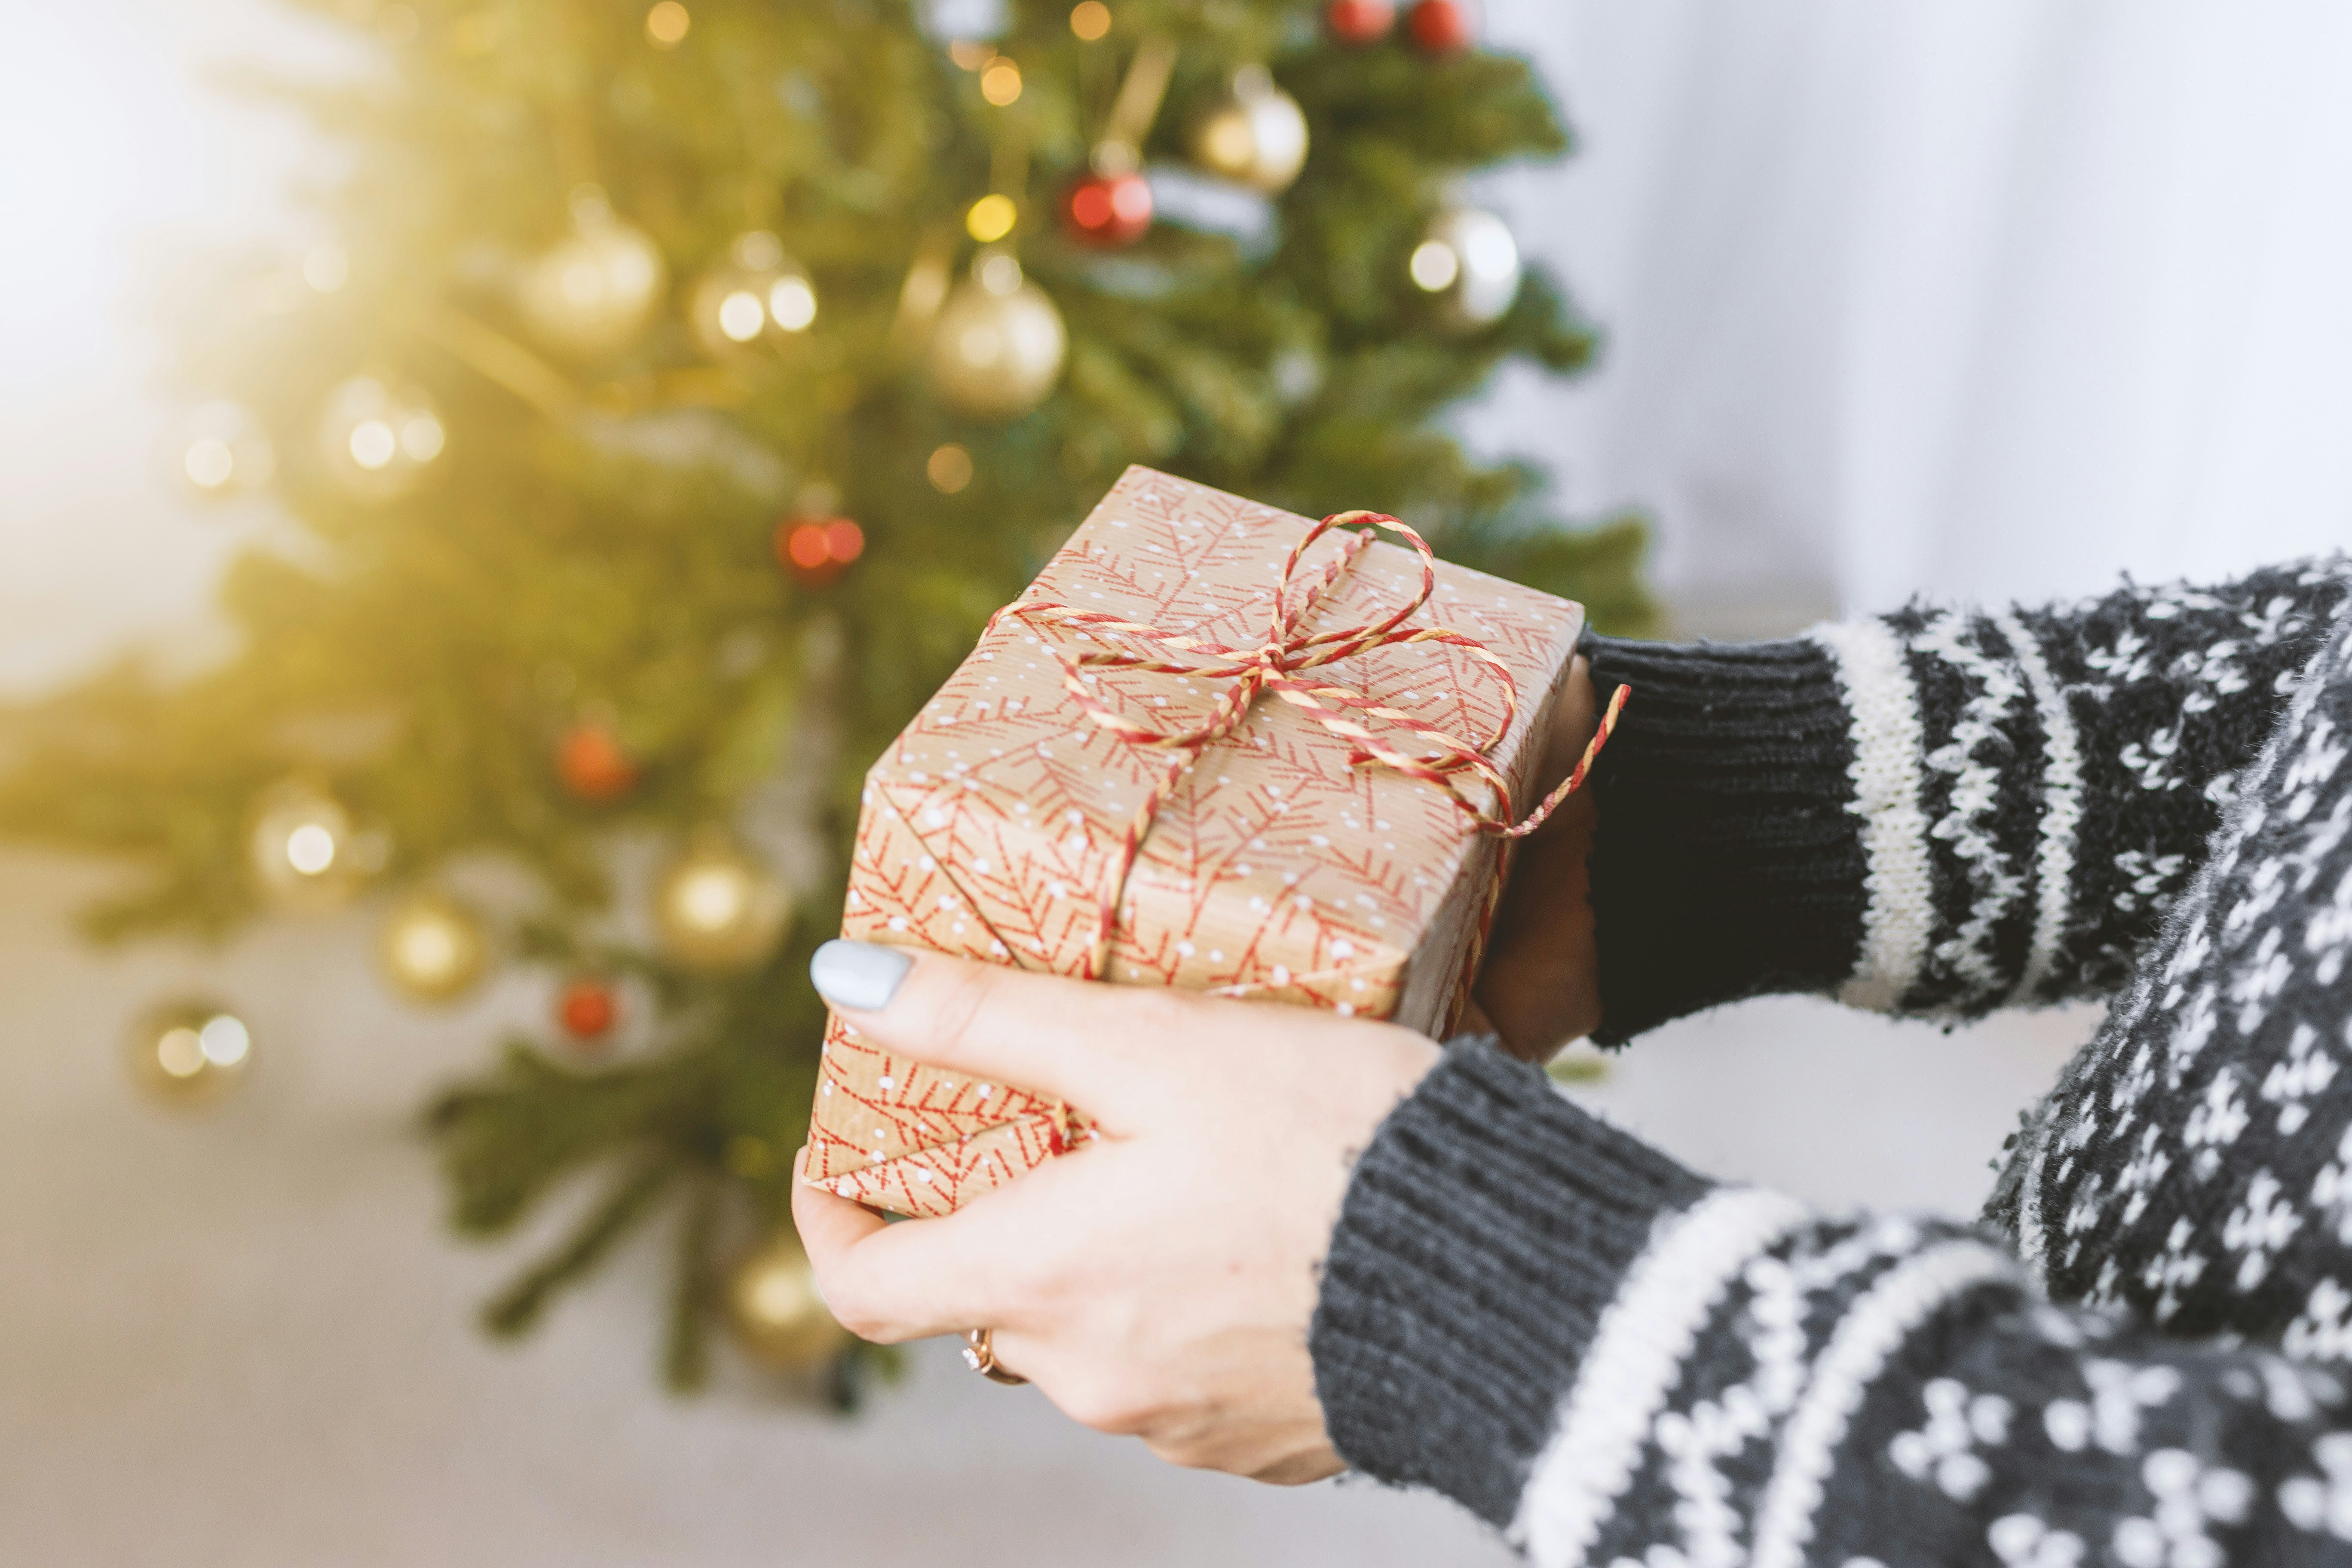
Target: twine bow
x=1277 y=664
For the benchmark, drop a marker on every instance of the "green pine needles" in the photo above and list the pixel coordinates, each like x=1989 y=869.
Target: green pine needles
x=583 y=530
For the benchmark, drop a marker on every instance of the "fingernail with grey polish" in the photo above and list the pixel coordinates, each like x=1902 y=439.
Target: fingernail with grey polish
x=863 y=975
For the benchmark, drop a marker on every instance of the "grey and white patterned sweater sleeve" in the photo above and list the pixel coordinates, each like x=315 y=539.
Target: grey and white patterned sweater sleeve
x=1938 y=812
x=1621 y=1366
x=1626 y=1365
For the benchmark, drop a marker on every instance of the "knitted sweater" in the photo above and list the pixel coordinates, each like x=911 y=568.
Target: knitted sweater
x=2133 y=1359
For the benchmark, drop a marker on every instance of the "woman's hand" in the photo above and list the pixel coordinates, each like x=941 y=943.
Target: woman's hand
x=1541 y=985
x=1156 y=1282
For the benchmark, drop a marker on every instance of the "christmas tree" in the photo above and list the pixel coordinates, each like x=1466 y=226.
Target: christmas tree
x=681 y=391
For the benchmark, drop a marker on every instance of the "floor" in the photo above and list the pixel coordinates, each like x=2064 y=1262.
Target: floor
x=240 y=1337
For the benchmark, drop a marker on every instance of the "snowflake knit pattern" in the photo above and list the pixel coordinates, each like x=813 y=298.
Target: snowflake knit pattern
x=2138 y=1357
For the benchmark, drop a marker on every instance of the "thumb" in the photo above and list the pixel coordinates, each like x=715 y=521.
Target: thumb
x=1073 y=1039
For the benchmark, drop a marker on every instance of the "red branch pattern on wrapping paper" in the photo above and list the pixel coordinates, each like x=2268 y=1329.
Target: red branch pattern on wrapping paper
x=1278 y=865
x=1273 y=665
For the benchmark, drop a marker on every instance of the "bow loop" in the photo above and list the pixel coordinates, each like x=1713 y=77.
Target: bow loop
x=1276 y=665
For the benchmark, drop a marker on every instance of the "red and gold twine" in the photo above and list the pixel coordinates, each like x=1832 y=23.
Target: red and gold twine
x=1276 y=665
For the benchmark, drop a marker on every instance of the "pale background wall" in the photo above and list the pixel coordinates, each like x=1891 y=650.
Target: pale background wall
x=1986 y=298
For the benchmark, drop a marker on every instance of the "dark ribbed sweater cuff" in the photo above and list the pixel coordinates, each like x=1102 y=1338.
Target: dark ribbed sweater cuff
x=1728 y=862
x=1483 y=1232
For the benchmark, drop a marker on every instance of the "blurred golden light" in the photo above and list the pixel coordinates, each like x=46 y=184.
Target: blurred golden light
x=773 y=1305
x=581 y=281
x=741 y=316
x=305 y=853
x=188 y=1053
x=1468 y=258
x=792 y=303
x=970 y=53
x=224 y=1041
x=210 y=463
x=427 y=948
x=1230 y=142
x=759 y=251
x=590 y=206
x=717 y=907
x=591 y=291
x=666 y=24
x=752 y=287
x=949 y=468
x=224 y=451
x=396 y=24
x=421 y=437
x=181 y=1052
x=325 y=267
x=999 y=344
x=372 y=444
x=379 y=439
x=1254 y=134
x=1090 y=20
x=999 y=274
x=310 y=848
x=982 y=343
x=776 y=1295
x=991 y=218
x=432 y=947
x=711 y=898
x=1000 y=82
x=1434 y=266
x=630 y=271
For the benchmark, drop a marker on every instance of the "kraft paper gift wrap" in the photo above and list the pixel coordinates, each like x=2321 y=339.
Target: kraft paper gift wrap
x=1281 y=864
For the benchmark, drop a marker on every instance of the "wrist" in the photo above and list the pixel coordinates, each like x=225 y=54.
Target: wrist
x=1538 y=987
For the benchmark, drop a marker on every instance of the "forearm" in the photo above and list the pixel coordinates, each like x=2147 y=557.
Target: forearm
x=1935 y=812
x=1600 y=1352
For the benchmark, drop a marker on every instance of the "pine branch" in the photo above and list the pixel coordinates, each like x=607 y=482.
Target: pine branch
x=516 y=1308
x=686 y=1359
x=505 y=1141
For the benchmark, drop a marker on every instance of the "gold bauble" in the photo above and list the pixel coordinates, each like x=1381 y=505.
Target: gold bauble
x=1255 y=135
x=432 y=947
x=1469 y=261
x=378 y=438
x=752 y=295
x=716 y=908
x=997 y=345
x=302 y=848
x=773 y=1307
x=596 y=287
x=189 y=1053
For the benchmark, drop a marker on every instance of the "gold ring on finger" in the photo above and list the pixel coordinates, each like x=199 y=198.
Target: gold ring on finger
x=980 y=1355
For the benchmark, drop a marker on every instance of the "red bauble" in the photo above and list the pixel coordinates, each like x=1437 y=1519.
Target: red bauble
x=814 y=550
x=1358 y=22
x=1106 y=210
x=1441 y=26
x=587 y=1009
x=591 y=764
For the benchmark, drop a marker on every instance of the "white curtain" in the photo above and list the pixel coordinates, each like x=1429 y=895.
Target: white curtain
x=1978 y=299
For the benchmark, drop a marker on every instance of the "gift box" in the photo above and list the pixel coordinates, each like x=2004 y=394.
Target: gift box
x=1213 y=745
